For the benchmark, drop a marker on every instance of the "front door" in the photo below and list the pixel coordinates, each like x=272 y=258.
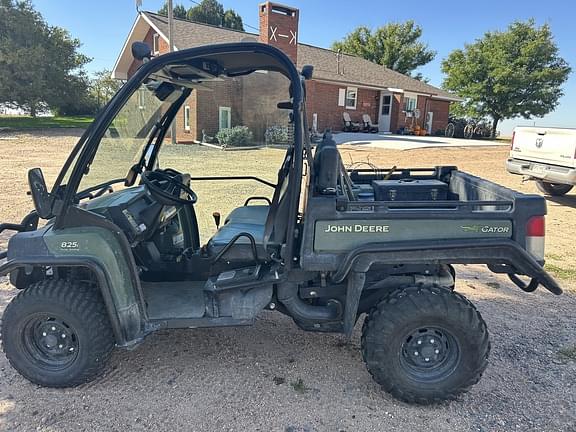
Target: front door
x=385 y=112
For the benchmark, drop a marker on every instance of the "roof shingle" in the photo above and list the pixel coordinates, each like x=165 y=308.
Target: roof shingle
x=352 y=69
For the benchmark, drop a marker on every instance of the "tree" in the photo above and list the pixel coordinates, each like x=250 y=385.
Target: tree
x=212 y=12
x=232 y=20
x=103 y=87
x=39 y=64
x=207 y=12
x=179 y=11
x=514 y=73
x=395 y=45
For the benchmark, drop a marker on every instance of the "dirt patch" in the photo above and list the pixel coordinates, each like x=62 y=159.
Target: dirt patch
x=273 y=376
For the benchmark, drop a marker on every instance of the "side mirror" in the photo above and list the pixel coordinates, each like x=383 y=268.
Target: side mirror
x=40 y=195
x=141 y=51
x=307 y=72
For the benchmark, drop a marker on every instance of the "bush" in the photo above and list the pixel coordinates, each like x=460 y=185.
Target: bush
x=277 y=135
x=237 y=136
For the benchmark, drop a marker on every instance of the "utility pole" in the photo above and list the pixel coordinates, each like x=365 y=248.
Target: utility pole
x=171 y=45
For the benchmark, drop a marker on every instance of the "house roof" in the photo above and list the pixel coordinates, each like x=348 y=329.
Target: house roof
x=349 y=70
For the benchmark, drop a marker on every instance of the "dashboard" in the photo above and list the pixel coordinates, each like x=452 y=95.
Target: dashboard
x=134 y=210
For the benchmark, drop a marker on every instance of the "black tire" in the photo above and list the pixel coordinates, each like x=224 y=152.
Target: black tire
x=450 y=334
x=469 y=131
x=554 y=189
x=57 y=333
x=449 y=131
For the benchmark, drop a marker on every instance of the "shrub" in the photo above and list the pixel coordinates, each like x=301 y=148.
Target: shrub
x=277 y=135
x=237 y=136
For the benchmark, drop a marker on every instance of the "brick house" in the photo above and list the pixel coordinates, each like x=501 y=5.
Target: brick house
x=341 y=82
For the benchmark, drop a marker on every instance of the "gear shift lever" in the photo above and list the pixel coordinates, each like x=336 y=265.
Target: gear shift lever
x=216 y=217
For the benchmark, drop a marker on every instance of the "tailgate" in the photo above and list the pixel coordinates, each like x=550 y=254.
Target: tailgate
x=553 y=146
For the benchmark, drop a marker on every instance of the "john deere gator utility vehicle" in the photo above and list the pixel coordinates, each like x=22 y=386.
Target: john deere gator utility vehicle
x=114 y=250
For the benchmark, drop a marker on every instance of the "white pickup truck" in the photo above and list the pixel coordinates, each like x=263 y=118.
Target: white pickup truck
x=546 y=155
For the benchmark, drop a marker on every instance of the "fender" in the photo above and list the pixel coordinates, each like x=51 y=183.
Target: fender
x=98 y=249
x=492 y=252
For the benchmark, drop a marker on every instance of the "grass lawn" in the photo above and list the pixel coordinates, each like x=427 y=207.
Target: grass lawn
x=27 y=122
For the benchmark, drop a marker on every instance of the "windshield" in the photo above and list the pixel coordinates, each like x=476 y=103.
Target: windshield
x=231 y=127
x=124 y=140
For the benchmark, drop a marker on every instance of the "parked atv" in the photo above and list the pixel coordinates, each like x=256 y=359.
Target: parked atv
x=120 y=255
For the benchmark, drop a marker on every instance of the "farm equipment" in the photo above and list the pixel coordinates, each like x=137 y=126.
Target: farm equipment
x=119 y=256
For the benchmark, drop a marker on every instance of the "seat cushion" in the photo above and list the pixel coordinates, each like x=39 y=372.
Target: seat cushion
x=254 y=214
x=241 y=250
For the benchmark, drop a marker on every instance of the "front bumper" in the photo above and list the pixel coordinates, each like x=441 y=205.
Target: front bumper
x=542 y=171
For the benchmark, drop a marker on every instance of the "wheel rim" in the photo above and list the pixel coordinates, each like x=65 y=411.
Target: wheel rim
x=50 y=342
x=429 y=354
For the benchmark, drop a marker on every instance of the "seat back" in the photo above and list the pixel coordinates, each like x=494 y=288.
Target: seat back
x=346 y=118
x=326 y=166
x=277 y=219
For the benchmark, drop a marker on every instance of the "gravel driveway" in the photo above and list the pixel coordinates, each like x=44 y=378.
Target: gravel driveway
x=275 y=377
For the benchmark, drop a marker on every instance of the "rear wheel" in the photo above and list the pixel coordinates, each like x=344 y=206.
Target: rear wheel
x=469 y=131
x=425 y=345
x=554 y=189
x=57 y=333
x=449 y=131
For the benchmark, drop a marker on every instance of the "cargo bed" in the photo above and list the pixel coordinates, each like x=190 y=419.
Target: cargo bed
x=478 y=222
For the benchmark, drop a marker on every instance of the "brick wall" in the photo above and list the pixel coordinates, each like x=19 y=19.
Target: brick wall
x=323 y=100
x=441 y=110
x=279 y=27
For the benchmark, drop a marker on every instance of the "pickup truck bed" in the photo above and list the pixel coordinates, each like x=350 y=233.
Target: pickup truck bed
x=479 y=222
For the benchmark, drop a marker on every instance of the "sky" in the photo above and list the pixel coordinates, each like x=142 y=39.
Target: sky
x=102 y=26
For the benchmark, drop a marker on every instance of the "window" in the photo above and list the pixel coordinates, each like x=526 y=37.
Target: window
x=351 y=97
x=187 y=118
x=156 y=43
x=386 y=103
x=224 y=118
x=410 y=102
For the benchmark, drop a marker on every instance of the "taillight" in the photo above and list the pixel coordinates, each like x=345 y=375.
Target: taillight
x=535 y=234
x=512 y=143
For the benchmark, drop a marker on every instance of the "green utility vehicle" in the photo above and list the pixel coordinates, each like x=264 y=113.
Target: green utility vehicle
x=119 y=253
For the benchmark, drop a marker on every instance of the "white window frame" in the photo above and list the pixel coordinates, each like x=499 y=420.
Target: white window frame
x=220 y=111
x=407 y=98
x=355 y=90
x=156 y=43
x=187 y=118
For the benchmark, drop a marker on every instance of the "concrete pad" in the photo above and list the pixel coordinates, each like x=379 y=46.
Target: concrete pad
x=408 y=142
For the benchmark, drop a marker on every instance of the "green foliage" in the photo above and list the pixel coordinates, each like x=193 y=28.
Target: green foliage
x=27 y=122
x=514 y=73
x=39 y=64
x=232 y=20
x=179 y=11
x=207 y=12
x=103 y=87
x=277 y=135
x=237 y=136
x=394 y=45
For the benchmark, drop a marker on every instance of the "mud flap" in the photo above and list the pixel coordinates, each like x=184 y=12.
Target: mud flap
x=354 y=289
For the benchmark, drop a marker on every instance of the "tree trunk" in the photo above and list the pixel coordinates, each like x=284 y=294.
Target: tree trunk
x=33 y=109
x=495 y=121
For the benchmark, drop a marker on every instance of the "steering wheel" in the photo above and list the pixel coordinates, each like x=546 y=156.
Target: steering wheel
x=168 y=193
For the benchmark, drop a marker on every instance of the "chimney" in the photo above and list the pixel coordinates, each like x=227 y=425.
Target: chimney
x=279 y=28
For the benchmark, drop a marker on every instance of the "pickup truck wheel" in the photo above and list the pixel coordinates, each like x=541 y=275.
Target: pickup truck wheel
x=57 y=333
x=425 y=345
x=554 y=189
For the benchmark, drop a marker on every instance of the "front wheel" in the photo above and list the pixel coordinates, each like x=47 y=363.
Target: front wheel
x=554 y=189
x=57 y=333
x=425 y=345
